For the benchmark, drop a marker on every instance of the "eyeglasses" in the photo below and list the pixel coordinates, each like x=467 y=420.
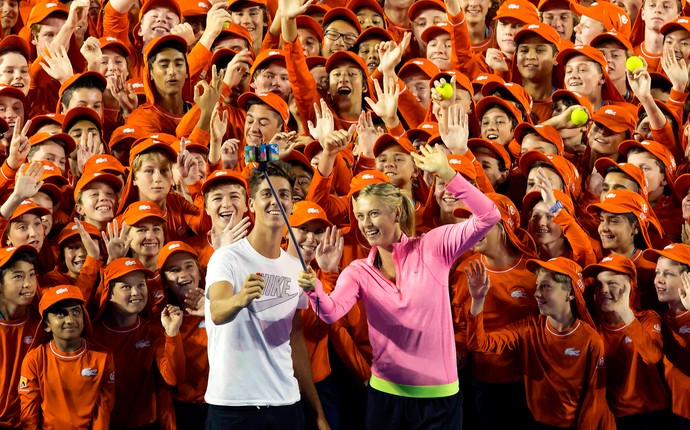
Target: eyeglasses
x=334 y=35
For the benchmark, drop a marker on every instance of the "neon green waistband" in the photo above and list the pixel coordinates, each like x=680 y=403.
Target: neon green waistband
x=415 y=391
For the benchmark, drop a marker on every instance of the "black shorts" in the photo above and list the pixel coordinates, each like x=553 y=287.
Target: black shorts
x=391 y=412
x=290 y=417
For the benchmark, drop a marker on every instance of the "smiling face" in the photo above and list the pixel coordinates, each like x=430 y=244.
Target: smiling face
x=19 y=284
x=584 y=76
x=495 y=240
x=438 y=51
x=169 y=72
x=618 y=181
x=535 y=59
x=610 y=289
x=377 y=221
x=553 y=298
x=181 y=273
x=366 y=50
x=497 y=125
x=603 y=140
x=148 y=237
x=475 y=11
x=11 y=110
x=346 y=82
x=157 y=22
x=26 y=230
x=541 y=226
x=226 y=203
x=261 y=124
x=273 y=79
x=97 y=203
x=308 y=236
x=10 y=14
x=14 y=71
x=444 y=198
x=65 y=322
x=551 y=173
x=74 y=254
x=617 y=232
x=129 y=293
x=679 y=41
x=113 y=64
x=667 y=280
x=253 y=18
x=338 y=36
x=265 y=207
x=652 y=169
x=397 y=163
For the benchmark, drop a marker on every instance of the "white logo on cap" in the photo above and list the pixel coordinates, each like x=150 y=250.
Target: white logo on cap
x=273 y=53
x=417 y=62
x=173 y=246
x=111 y=39
x=128 y=130
x=368 y=176
x=46 y=167
x=221 y=173
x=532 y=26
x=144 y=207
x=137 y=85
x=130 y=263
x=610 y=112
x=624 y=19
x=202 y=5
x=61 y=291
x=513 y=6
x=101 y=160
x=26 y=202
x=482 y=78
x=312 y=211
x=606 y=259
x=427 y=126
x=10 y=249
x=610 y=196
x=96 y=174
x=454 y=161
x=682 y=21
x=74 y=227
x=51 y=5
x=669 y=246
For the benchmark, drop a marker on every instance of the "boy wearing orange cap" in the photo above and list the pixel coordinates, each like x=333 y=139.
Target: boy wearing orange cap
x=672 y=267
x=14 y=68
x=562 y=342
x=633 y=342
x=655 y=16
x=138 y=344
x=18 y=324
x=599 y=18
x=66 y=380
x=252 y=320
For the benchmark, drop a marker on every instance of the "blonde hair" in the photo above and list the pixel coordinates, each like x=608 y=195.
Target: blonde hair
x=394 y=198
x=154 y=157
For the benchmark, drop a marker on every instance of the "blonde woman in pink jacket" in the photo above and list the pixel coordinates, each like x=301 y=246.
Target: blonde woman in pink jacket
x=403 y=284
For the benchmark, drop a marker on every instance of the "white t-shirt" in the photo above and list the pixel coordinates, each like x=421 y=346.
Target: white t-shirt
x=250 y=358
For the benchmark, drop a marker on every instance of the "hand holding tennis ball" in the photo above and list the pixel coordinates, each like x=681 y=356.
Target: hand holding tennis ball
x=579 y=116
x=226 y=25
x=633 y=63
x=446 y=91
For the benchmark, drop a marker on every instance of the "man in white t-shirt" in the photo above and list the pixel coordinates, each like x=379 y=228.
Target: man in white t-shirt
x=256 y=351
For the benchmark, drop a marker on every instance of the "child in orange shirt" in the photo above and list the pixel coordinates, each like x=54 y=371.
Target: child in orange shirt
x=18 y=323
x=561 y=342
x=139 y=345
x=66 y=382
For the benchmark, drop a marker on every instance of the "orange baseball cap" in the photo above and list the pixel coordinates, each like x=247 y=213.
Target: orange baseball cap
x=312 y=25
x=272 y=100
x=195 y=8
x=149 y=144
x=484 y=78
x=81 y=112
x=608 y=90
x=572 y=270
x=422 y=5
x=682 y=23
x=545 y=5
x=299 y=158
x=267 y=56
x=487 y=103
x=462 y=165
x=605 y=165
x=658 y=150
x=681 y=186
x=341 y=14
x=12 y=92
x=511 y=222
x=616 y=118
x=339 y=56
x=74 y=79
x=365 y=178
x=172 y=248
x=120 y=267
x=679 y=252
x=355 y=5
x=422 y=65
x=520 y=10
x=612 y=17
x=547 y=132
x=90 y=177
x=141 y=210
x=28 y=206
x=236 y=30
x=539 y=29
x=51 y=297
x=125 y=134
x=15 y=43
x=114 y=43
x=63 y=139
x=240 y=3
x=517 y=91
x=435 y=30
x=374 y=33
x=6 y=253
x=221 y=176
x=579 y=98
x=312 y=149
x=147 y=5
x=71 y=230
x=495 y=147
x=315 y=61
x=306 y=211
x=104 y=163
x=619 y=264
x=564 y=168
x=387 y=139
x=423 y=132
x=612 y=36
x=53 y=181
x=44 y=9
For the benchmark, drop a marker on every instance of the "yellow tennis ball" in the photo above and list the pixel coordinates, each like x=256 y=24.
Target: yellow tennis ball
x=579 y=116
x=633 y=63
x=226 y=25
x=446 y=91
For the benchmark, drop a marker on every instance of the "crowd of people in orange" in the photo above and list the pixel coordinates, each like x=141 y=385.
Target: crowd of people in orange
x=488 y=205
